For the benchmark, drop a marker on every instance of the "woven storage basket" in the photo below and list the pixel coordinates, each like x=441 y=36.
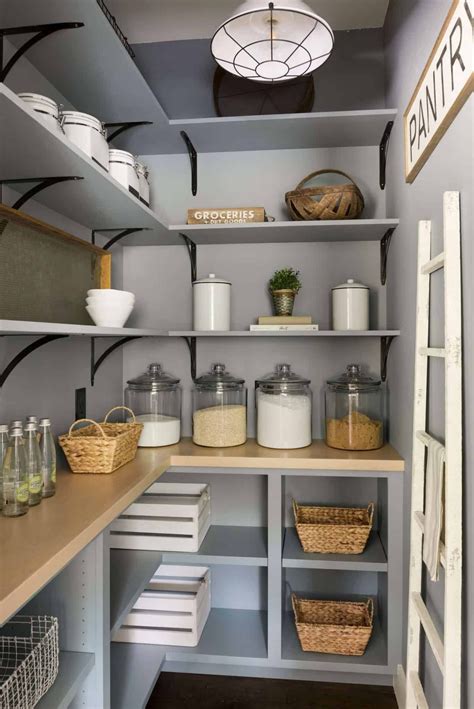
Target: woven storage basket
x=342 y=201
x=101 y=447
x=333 y=530
x=333 y=627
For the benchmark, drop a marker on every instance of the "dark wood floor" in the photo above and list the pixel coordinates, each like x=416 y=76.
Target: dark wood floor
x=182 y=691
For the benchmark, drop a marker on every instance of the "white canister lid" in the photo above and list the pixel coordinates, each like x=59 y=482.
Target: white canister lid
x=40 y=99
x=121 y=156
x=212 y=278
x=350 y=283
x=71 y=117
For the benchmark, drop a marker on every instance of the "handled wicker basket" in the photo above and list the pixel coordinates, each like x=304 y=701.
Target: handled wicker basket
x=333 y=627
x=336 y=201
x=333 y=530
x=101 y=447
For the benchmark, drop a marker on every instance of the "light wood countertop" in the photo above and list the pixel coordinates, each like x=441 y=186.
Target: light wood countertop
x=35 y=547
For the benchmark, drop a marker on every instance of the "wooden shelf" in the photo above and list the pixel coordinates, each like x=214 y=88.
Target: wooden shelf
x=74 y=667
x=25 y=327
x=372 y=559
x=374 y=660
x=229 y=637
x=285 y=232
x=33 y=149
x=240 y=546
x=130 y=572
x=134 y=671
x=285 y=333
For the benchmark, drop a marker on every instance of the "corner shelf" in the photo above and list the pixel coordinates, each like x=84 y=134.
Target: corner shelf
x=134 y=671
x=130 y=572
x=240 y=546
x=74 y=667
x=26 y=327
x=373 y=557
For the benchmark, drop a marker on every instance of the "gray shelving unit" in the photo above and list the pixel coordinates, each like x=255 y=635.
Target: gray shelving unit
x=285 y=333
x=74 y=667
x=241 y=546
x=130 y=572
x=134 y=671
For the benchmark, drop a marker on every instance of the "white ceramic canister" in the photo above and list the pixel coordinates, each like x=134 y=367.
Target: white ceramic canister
x=144 y=185
x=350 y=306
x=88 y=133
x=122 y=167
x=211 y=303
x=46 y=107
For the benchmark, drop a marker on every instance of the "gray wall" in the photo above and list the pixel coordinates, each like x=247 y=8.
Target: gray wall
x=181 y=73
x=410 y=32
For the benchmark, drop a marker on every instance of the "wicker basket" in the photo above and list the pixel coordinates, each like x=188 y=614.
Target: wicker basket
x=333 y=530
x=342 y=201
x=29 y=652
x=333 y=627
x=101 y=448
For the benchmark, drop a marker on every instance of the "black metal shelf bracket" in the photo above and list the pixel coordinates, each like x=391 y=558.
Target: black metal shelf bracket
x=42 y=184
x=384 y=248
x=385 y=343
x=122 y=126
x=191 y=343
x=123 y=233
x=192 y=252
x=24 y=353
x=95 y=364
x=193 y=159
x=383 y=149
x=41 y=31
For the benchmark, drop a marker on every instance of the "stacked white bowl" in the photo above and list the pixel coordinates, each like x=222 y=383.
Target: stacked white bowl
x=108 y=307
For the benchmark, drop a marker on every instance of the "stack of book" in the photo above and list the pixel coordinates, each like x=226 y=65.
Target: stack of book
x=293 y=323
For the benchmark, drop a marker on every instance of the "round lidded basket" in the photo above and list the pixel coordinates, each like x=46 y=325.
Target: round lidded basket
x=322 y=195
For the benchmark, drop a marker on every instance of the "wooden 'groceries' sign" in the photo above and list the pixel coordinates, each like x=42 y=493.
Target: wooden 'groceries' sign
x=444 y=86
x=226 y=215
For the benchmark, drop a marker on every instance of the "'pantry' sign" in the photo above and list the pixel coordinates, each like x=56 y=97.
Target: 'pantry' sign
x=444 y=86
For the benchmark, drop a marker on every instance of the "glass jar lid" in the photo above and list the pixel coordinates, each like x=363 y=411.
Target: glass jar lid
x=353 y=379
x=154 y=379
x=282 y=377
x=218 y=378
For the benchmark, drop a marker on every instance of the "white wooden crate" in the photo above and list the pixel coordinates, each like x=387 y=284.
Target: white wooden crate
x=172 y=610
x=167 y=517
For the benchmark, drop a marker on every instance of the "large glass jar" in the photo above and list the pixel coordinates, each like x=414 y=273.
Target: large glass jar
x=155 y=399
x=354 y=411
x=219 y=409
x=283 y=402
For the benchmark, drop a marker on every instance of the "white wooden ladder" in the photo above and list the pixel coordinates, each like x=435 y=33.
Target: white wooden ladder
x=446 y=650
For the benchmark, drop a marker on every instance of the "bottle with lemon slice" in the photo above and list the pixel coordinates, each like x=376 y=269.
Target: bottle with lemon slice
x=15 y=477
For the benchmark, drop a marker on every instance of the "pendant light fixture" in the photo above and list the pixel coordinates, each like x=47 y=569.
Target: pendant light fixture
x=272 y=42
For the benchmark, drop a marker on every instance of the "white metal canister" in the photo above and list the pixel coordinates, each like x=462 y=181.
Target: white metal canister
x=350 y=306
x=122 y=167
x=211 y=303
x=88 y=133
x=144 y=185
x=46 y=107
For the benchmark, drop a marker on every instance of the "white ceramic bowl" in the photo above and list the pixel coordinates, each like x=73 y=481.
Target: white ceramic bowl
x=109 y=300
x=105 y=291
x=109 y=317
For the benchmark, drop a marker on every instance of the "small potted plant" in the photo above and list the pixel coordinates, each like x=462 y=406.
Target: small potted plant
x=283 y=286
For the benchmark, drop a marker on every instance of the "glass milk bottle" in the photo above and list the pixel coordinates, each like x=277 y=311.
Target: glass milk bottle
x=33 y=465
x=15 y=477
x=3 y=449
x=48 y=458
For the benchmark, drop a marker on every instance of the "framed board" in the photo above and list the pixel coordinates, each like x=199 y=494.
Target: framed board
x=45 y=273
x=444 y=86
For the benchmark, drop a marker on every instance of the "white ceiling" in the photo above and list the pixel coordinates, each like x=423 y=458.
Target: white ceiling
x=166 y=20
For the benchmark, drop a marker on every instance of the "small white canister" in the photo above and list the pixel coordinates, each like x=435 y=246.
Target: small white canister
x=88 y=133
x=144 y=185
x=46 y=107
x=211 y=303
x=350 y=306
x=122 y=167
